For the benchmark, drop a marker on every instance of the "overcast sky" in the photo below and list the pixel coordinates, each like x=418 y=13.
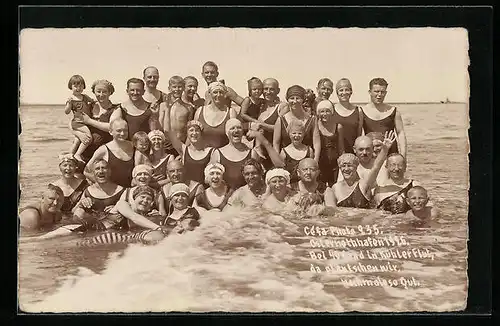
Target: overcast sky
x=420 y=64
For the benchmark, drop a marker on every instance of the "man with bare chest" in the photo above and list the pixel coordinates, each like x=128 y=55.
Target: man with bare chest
x=174 y=112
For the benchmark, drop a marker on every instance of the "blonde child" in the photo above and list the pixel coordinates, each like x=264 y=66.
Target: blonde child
x=142 y=146
x=296 y=151
x=418 y=199
x=79 y=103
x=253 y=104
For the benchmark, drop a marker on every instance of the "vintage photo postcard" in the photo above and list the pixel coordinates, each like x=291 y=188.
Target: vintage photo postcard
x=243 y=170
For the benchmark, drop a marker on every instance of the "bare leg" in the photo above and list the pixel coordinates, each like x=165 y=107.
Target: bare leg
x=76 y=144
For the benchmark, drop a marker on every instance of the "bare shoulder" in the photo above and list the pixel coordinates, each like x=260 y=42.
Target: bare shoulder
x=29 y=218
x=435 y=213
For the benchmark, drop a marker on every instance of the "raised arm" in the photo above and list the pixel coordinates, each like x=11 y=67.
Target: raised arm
x=234 y=96
x=340 y=138
x=124 y=209
x=316 y=140
x=273 y=154
x=366 y=184
x=67 y=108
x=398 y=120
x=330 y=199
x=277 y=135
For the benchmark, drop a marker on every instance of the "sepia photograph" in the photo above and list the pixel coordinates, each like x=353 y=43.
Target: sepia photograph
x=243 y=170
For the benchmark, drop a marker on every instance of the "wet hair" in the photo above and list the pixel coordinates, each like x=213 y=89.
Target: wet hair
x=148 y=67
x=56 y=189
x=176 y=80
x=295 y=123
x=324 y=80
x=378 y=81
x=190 y=78
x=135 y=81
x=254 y=163
x=108 y=84
x=209 y=63
x=113 y=122
x=76 y=79
x=419 y=188
x=140 y=135
x=393 y=155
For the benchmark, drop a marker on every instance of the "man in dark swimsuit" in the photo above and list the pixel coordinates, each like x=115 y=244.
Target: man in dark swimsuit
x=44 y=214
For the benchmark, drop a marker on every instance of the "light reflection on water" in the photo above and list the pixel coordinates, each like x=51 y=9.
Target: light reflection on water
x=254 y=261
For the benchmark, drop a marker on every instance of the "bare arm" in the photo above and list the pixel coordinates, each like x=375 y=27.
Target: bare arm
x=341 y=149
x=360 y=122
x=330 y=199
x=398 y=120
x=232 y=113
x=67 y=108
x=244 y=109
x=117 y=113
x=215 y=156
x=162 y=116
x=277 y=135
x=234 y=96
x=124 y=209
x=316 y=141
x=435 y=213
x=273 y=154
x=29 y=219
x=176 y=142
x=366 y=184
x=283 y=108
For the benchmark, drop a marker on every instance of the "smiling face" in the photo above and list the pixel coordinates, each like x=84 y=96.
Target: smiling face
x=235 y=134
x=325 y=90
x=119 y=130
x=51 y=201
x=277 y=185
x=270 y=90
x=179 y=200
x=396 y=167
x=151 y=77
x=252 y=176
x=143 y=202
x=176 y=89
x=194 y=134
x=135 y=91
x=363 y=148
x=68 y=169
x=218 y=96
x=215 y=178
x=324 y=110
x=101 y=93
x=142 y=179
x=210 y=74
x=295 y=102
x=348 y=169
x=142 y=145
x=191 y=87
x=344 y=91
x=175 y=171
x=417 y=199
x=296 y=135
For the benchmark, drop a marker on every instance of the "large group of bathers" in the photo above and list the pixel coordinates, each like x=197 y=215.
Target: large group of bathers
x=155 y=163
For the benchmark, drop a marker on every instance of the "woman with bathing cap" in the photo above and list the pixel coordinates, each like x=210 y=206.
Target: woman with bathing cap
x=214 y=115
x=354 y=191
x=332 y=142
x=347 y=114
x=119 y=153
x=278 y=182
x=216 y=196
x=233 y=155
x=99 y=122
x=159 y=158
x=295 y=96
x=183 y=217
x=195 y=154
x=253 y=193
x=71 y=186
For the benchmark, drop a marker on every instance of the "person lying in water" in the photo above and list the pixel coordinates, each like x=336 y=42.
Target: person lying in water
x=354 y=191
x=417 y=199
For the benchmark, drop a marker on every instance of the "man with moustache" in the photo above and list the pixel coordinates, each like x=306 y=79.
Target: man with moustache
x=363 y=149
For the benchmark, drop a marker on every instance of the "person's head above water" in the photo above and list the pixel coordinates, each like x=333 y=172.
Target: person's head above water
x=252 y=172
x=52 y=199
x=277 y=173
x=213 y=174
x=143 y=197
x=118 y=128
x=417 y=198
x=308 y=170
x=348 y=164
x=396 y=166
x=175 y=171
x=363 y=148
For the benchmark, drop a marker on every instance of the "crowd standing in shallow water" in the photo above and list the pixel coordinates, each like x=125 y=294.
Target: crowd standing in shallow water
x=152 y=165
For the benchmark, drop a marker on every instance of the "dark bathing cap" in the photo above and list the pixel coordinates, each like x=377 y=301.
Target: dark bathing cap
x=143 y=190
x=295 y=90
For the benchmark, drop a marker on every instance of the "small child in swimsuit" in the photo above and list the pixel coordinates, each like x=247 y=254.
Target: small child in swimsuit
x=417 y=199
x=79 y=103
x=253 y=104
x=183 y=217
x=142 y=146
x=297 y=150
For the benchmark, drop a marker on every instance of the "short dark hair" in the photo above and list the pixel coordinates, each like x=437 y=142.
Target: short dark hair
x=135 y=81
x=76 y=79
x=209 y=63
x=378 y=81
x=253 y=163
x=324 y=80
x=190 y=78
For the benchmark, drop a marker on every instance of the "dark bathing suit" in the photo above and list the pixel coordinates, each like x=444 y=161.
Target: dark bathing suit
x=191 y=196
x=191 y=213
x=233 y=176
x=73 y=199
x=214 y=136
x=55 y=217
x=203 y=201
x=356 y=199
x=121 y=171
x=137 y=122
x=291 y=164
x=255 y=108
x=350 y=127
x=308 y=132
x=271 y=120
x=396 y=203
x=328 y=166
x=386 y=124
x=196 y=167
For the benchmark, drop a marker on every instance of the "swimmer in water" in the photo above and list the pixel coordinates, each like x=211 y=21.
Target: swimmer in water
x=280 y=194
x=183 y=217
x=418 y=200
